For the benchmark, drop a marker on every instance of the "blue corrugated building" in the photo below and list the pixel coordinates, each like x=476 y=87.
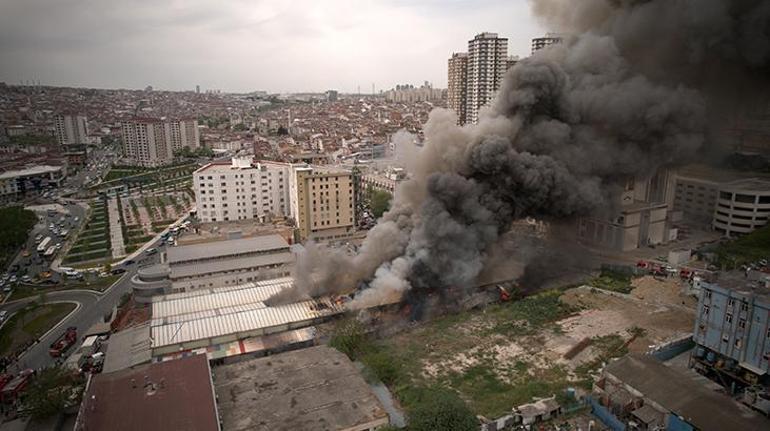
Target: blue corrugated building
x=732 y=330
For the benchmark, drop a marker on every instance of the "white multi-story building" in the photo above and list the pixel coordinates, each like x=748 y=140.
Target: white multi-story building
x=487 y=63
x=151 y=142
x=242 y=190
x=16 y=185
x=71 y=129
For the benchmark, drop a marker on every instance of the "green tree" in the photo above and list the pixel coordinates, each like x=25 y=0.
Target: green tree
x=440 y=409
x=53 y=391
x=380 y=202
x=15 y=224
x=349 y=338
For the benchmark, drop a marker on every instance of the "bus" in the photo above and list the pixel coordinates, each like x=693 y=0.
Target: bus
x=50 y=252
x=44 y=244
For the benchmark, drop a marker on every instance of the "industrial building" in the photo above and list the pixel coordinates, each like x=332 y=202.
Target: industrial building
x=317 y=388
x=732 y=330
x=173 y=395
x=214 y=264
x=643 y=391
x=201 y=318
x=642 y=218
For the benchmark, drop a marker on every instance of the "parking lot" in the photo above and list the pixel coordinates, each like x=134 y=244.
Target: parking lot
x=56 y=222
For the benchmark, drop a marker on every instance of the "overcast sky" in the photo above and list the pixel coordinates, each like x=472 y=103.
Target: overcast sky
x=242 y=45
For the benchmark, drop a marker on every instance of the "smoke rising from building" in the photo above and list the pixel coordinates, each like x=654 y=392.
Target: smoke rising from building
x=629 y=91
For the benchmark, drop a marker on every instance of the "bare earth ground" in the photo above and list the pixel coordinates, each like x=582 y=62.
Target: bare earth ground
x=507 y=354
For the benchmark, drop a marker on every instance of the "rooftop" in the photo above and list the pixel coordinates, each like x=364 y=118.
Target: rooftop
x=202 y=268
x=173 y=395
x=750 y=184
x=223 y=248
x=128 y=348
x=311 y=389
x=683 y=395
x=35 y=170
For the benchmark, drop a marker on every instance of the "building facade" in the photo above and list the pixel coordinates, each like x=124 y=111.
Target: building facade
x=242 y=190
x=712 y=199
x=642 y=218
x=457 y=85
x=213 y=265
x=487 y=63
x=71 y=129
x=322 y=202
x=151 y=142
x=16 y=185
x=549 y=39
x=733 y=324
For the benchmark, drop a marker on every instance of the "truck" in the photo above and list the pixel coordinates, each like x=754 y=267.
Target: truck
x=14 y=388
x=44 y=244
x=64 y=342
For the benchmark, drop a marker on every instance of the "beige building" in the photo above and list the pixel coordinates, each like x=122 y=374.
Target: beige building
x=729 y=202
x=322 y=202
x=242 y=190
x=457 y=82
x=549 y=39
x=642 y=218
x=152 y=142
x=71 y=129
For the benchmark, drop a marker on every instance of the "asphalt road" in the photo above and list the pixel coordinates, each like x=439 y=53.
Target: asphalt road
x=94 y=307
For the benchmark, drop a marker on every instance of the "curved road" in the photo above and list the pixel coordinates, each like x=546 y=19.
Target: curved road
x=94 y=307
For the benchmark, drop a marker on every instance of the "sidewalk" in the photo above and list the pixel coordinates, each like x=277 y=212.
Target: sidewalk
x=116 y=232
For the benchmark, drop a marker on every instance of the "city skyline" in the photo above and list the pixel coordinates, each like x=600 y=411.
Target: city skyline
x=241 y=47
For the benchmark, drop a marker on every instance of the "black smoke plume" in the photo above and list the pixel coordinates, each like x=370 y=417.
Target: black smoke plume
x=633 y=88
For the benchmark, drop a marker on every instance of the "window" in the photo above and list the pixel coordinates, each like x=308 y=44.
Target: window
x=730 y=302
x=742 y=323
x=707 y=294
x=706 y=310
x=744 y=306
x=738 y=343
x=728 y=318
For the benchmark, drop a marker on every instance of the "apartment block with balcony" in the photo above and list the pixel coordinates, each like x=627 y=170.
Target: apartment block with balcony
x=151 y=142
x=242 y=190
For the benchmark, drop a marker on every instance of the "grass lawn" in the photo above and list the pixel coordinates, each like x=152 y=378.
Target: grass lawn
x=613 y=281
x=99 y=284
x=30 y=323
x=461 y=352
x=746 y=249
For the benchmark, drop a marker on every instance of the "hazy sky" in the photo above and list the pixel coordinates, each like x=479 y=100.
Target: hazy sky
x=242 y=45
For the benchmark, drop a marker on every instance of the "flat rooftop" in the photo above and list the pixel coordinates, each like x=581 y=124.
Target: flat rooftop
x=683 y=395
x=182 y=269
x=317 y=388
x=224 y=248
x=173 y=395
x=749 y=185
x=35 y=170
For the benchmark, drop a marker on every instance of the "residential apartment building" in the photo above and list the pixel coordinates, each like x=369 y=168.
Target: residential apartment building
x=71 y=129
x=457 y=85
x=242 y=190
x=322 y=202
x=721 y=200
x=549 y=39
x=18 y=184
x=487 y=63
x=732 y=328
x=151 y=142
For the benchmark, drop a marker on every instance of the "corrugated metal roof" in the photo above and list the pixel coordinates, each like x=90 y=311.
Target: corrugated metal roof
x=213 y=299
x=244 y=321
x=216 y=249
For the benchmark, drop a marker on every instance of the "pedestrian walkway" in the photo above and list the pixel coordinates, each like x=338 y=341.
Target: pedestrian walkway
x=116 y=233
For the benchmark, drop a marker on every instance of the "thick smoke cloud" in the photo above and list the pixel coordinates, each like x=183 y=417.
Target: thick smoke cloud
x=627 y=93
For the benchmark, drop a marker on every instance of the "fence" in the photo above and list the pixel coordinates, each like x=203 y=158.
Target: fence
x=673 y=348
x=606 y=416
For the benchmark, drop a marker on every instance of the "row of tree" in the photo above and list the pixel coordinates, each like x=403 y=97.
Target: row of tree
x=15 y=224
